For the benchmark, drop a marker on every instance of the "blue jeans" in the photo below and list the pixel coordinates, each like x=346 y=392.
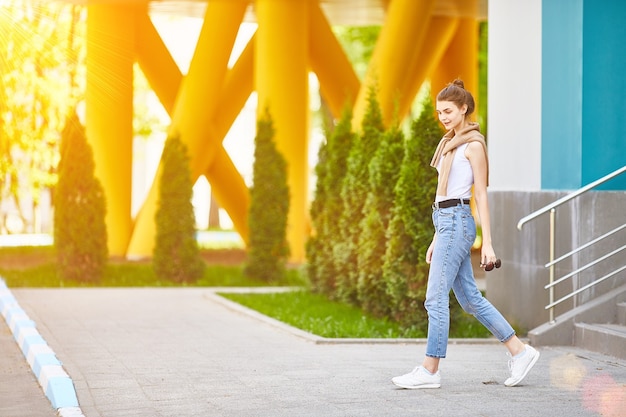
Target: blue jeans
x=451 y=268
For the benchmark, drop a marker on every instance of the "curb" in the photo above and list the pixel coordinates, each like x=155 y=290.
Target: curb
x=54 y=381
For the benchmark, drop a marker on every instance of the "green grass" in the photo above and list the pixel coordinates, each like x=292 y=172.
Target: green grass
x=13 y=254
x=316 y=314
x=35 y=267
x=138 y=275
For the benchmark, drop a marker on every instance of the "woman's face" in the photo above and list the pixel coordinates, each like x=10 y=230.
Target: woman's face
x=450 y=115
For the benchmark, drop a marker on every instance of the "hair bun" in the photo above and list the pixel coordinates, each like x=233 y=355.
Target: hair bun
x=456 y=93
x=459 y=83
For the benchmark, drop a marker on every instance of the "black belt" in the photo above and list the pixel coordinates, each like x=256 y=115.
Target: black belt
x=450 y=203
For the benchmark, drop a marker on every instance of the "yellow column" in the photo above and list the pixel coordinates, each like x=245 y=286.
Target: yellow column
x=460 y=59
x=109 y=108
x=404 y=31
x=282 y=85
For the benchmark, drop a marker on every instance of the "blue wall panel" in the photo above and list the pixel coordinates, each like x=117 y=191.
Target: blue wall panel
x=562 y=95
x=604 y=91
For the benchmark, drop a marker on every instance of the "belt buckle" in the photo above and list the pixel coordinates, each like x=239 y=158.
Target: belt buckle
x=435 y=205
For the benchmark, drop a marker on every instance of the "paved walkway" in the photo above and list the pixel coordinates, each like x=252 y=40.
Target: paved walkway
x=20 y=394
x=185 y=352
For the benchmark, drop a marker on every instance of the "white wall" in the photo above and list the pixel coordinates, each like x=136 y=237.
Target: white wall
x=514 y=78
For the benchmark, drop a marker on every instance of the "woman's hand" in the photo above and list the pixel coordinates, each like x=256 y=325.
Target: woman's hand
x=487 y=255
x=429 y=252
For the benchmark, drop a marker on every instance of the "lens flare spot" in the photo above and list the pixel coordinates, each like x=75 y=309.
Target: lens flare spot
x=567 y=372
x=602 y=394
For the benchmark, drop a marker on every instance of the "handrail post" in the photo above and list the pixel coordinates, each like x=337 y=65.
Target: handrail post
x=552 y=244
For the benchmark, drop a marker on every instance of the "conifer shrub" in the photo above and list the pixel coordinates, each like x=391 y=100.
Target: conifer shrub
x=327 y=206
x=317 y=241
x=383 y=175
x=410 y=230
x=80 y=235
x=176 y=255
x=269 y=207
x=354 y=191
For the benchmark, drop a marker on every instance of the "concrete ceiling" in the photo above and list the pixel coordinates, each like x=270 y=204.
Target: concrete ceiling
x=339 y=12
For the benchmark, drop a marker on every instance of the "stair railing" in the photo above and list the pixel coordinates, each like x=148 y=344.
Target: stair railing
x=551 y=208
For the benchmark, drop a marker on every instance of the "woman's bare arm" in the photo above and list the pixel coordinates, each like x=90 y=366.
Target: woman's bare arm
x=478 y=160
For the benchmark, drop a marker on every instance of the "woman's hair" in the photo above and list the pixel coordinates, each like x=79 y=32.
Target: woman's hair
x=456 y=93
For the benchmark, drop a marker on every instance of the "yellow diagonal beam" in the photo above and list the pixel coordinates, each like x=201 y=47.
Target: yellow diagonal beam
x=438 y=36
x=338 y=82
x=157 y=63
x=199 y=96
x=460 y=59
x=227 y=184
x=195 y=107
x=230 y=191
x=237 y=87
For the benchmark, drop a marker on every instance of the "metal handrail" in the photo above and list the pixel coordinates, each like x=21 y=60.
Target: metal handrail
x=581 y=269
x=569 y=197
x=552 y=209
x=586 y=287
x=585 y=246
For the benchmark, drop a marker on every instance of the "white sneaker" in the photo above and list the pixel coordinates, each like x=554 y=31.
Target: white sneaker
x=418 y=378
x=521 y=365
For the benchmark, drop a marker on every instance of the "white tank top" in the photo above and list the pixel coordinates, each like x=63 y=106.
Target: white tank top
x=461 y=176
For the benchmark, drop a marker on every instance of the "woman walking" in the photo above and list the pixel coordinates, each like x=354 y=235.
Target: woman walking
x=461 y=160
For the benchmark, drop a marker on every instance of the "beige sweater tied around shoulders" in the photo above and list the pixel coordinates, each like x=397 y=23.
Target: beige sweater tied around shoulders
x=447 y=148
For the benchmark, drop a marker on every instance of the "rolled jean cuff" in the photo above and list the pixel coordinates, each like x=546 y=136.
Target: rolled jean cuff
x=436 y=356
x=506 y=339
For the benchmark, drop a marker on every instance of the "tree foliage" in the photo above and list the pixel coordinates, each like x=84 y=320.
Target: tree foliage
x=40 y=46
x=358 y=42
x=80 y=235
x=269 y=207
x=176 y=254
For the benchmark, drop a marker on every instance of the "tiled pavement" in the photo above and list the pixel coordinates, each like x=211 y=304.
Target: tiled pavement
x=187 y=352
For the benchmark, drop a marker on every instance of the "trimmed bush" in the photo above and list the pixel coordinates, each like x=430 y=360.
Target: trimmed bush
x=176 y=255
x=372 y=243
x=269 y=207
x=410 y=231
x=80 y=235
x=354 y=191
x=327 y=206
x=318 y=240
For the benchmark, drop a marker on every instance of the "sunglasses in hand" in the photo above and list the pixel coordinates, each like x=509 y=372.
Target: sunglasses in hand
x=488 y=267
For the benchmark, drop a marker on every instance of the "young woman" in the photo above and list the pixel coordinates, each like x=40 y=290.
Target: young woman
x=461 y=160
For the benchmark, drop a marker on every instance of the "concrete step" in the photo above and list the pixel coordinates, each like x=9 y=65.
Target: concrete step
x=621 y=313
x=609 y=339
